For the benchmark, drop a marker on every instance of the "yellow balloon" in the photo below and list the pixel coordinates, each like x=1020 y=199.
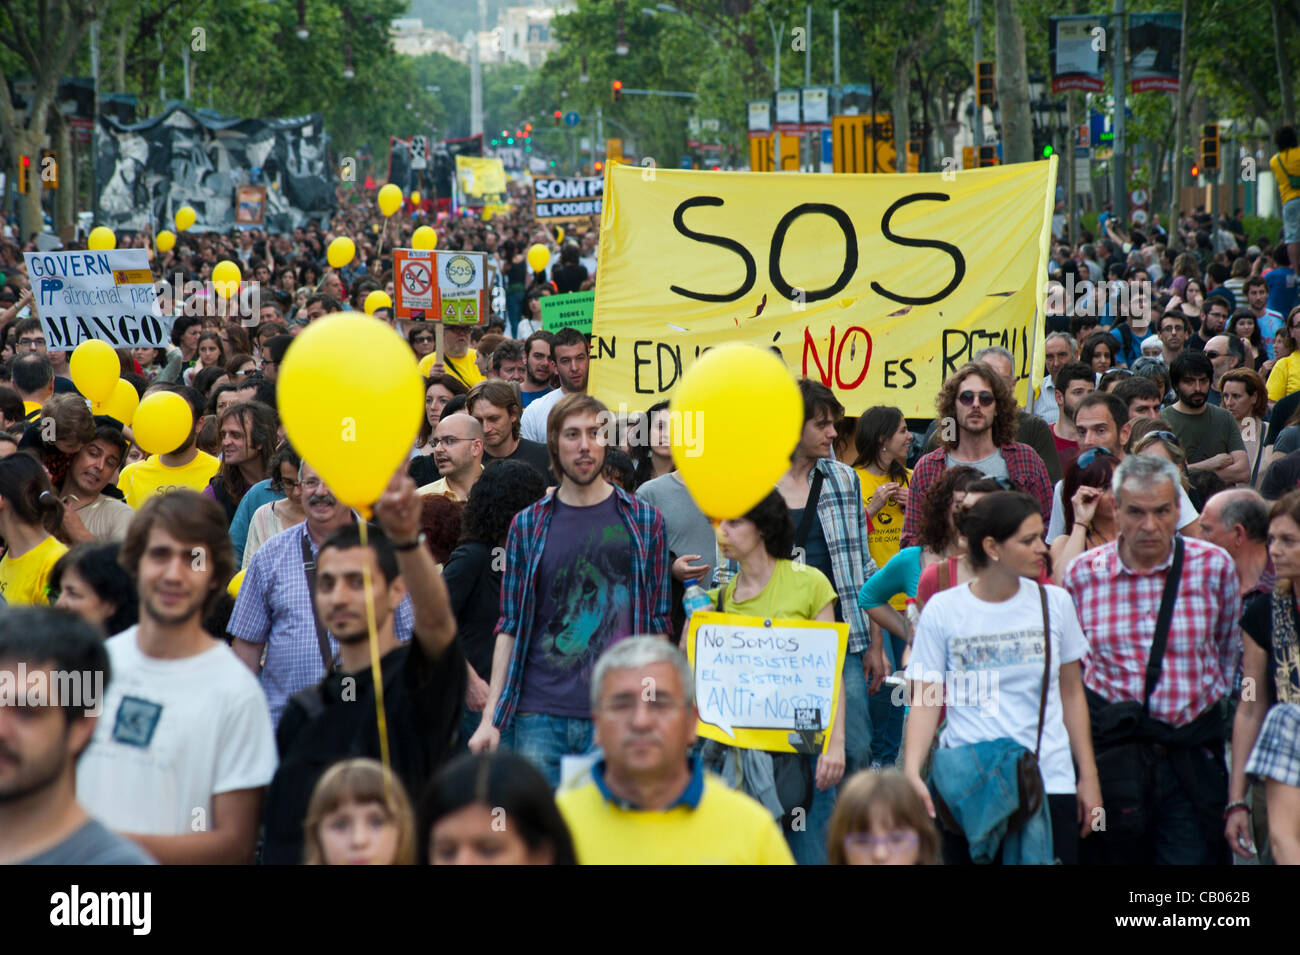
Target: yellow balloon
x=356 y=430
x=377 y=299
x=226 y=278
x=163 y=422
x=121 y=404
x=559 y=233
x=165 y=241
x=424 y=238
x=95 y=369
x=340 y=252
x=185 y=217
x=390 y=199
x=538 y=256
x=742 y=409
x=101 y=239
x=415 y=197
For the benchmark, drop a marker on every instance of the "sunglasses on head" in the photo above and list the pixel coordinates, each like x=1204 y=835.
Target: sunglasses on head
x=968 y=398
x=1168 y=436
x=1085 y=459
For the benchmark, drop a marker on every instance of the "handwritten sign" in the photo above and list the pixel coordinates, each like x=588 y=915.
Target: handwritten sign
x=766 y=684
x=108 y=295
x=571 y=310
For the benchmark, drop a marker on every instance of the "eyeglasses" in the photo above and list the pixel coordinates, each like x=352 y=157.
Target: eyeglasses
x=288 y=484
x=1085 y=459
x=891 y=842
x=32 y=342
x=422 y=339
x=1212 y=354
x=625 y=705
x=968 y=398
x=449 y=442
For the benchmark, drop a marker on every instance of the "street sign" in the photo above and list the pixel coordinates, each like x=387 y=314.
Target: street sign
x=828 y=147
x=571 y=118
x=787 y=106
x=419 y=152
x=863 y=143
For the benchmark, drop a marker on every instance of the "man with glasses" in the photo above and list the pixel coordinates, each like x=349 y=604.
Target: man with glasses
x=977 y=427
x=458 y=455
x=29 y=337
x=1209 y=435
x=273 y=352
x=1215 y=310
x=1173 y=335
x=649 y=800
x=1226 y=354
x=1059 y=349
x=274 y=609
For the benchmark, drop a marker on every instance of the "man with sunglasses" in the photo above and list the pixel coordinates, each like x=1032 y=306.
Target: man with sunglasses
x=1209 y=435
x=977 y=427
x=1226 y=354
x=458 y=454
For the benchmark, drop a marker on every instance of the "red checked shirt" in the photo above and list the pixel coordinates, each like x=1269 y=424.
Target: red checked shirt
x=1118 y=608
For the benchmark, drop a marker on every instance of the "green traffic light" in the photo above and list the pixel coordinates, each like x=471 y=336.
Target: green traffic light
x=511 y=141
x=1047 y=151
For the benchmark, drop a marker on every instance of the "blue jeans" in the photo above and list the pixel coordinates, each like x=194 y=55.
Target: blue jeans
x=886 y=718
x=544 y=739
x=808 y=844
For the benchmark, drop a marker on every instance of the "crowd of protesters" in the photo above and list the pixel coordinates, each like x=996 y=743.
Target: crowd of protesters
x=1072 y=625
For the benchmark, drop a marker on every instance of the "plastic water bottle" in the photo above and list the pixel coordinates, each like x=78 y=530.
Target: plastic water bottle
x=696 y=598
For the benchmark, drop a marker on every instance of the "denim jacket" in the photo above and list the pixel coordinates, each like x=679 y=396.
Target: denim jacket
x=981 y=788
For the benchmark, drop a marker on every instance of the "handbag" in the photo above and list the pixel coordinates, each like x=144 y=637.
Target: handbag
x=1028 y=774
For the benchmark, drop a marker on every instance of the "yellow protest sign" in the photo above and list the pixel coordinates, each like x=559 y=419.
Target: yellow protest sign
x=766 y=684
x=480 y=177
x=877 y=286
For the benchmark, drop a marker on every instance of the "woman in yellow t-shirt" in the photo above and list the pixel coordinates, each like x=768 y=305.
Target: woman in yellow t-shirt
x=29 y=514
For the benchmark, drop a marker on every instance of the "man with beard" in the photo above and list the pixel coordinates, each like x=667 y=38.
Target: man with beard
x=41 y=822
x=571 y=361
x=1255 y=290
x=90 y=514
x=495 y=406
x=424 y=679
x=585 y=567
x=1209 y=435
x=1215 y=310
x=539 y=367
x=185 y=749
x=458 y=454
x=274 y=609
x=1074 y=382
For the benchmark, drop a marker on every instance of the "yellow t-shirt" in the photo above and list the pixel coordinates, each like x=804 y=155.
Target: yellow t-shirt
x=463 y=368
x=1284 y=379
x=144 y=479
x=886 y=527
x=727 y=828
x=1285 y=166
x=23 y=579
x=795 y=592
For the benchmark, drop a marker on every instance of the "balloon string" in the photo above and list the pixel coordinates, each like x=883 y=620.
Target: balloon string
x=375 y=671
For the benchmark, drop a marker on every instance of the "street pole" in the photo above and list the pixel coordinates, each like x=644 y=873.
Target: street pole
x=807 y=45
x=599 y=144
x=835 y=61
x=977 y=117
x=1120 y=158
x=1072 y=211
x=94 y=114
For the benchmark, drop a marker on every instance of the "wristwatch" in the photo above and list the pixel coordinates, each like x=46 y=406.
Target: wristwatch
x=411 y=544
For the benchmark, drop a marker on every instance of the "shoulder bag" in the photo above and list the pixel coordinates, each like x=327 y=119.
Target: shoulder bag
x=322 y=635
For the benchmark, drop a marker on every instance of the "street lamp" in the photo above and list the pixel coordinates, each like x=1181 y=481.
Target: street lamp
x=620 y=46
x=302 y=32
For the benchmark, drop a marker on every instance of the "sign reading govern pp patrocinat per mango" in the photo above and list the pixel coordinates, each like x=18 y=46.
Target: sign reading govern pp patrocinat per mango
x=879 y=286
x=106 y=294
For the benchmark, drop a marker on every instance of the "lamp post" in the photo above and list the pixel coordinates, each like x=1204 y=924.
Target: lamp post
x=953 y=78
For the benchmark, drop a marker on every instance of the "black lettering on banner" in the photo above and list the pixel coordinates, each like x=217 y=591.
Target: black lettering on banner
x=778 y=241
x=751 y=268
x=605 y=349
x=894 y=367
x=959 y=345
x=674 y=358
x=637 y=362
x=959 y=261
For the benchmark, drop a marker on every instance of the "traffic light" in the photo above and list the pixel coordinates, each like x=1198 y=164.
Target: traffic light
x=1210 y=147
x=1048 y=150
x=24 y=174
x=913 y=155
x=616 y=90
x=599 y=166
x=988 y=155
x=1196 y=171
x=528 y=129
x=985 y=93
x=558 y=117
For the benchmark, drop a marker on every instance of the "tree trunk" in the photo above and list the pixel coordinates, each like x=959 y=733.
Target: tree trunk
x=1284 y=75
x=65 y=198
x=902 y=106
x=1180 y=131
x=1013 y=86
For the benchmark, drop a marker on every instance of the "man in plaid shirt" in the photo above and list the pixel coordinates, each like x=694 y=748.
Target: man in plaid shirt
x=1117 y=589
x=977 y=427
x=585 y=567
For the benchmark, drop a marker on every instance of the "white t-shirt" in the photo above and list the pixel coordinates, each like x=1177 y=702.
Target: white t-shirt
x=1056 y=526
x=532 y=425
x=173 y=734
x=989 y=657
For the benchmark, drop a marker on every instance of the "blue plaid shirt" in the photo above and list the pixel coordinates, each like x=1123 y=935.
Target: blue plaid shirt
x=649 y=587
x=274 y=607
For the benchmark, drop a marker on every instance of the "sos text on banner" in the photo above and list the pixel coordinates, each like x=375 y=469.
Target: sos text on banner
x=107 y=295
x=877 y=286
x=758 y=682
x=558 y=200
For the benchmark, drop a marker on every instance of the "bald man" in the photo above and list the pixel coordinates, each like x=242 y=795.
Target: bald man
x=1237 y=521
x=458 y=454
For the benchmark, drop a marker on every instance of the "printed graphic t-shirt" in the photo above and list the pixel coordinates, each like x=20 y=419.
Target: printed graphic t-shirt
x=23 y=579
x=144 y=479
x=584 y=605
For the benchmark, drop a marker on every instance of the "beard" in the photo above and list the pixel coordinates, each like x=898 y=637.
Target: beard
x=33 y=778
x=596 y=472
x=171 y=618
x=1195 y=401
x=534 y=380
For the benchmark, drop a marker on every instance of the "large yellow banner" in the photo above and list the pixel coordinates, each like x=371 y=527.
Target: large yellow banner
x=480 y=177
x=878 y=286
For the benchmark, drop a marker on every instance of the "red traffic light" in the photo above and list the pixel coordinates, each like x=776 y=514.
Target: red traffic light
x=528 y=127
x=616 y=90
x=1196 y=170
x=618 y=84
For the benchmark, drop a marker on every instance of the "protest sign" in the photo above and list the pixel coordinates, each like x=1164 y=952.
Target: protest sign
x=758 y=682
x=572 y=310
x=877 y=286
x=479 y=177
x=446 y=286
x=250 y=205
x=108 y=295
x=413 y=281
x=563 y=200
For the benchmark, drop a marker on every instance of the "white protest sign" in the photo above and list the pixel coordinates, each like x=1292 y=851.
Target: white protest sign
x=108 y=295
x=414 y=284
x=757 y=681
